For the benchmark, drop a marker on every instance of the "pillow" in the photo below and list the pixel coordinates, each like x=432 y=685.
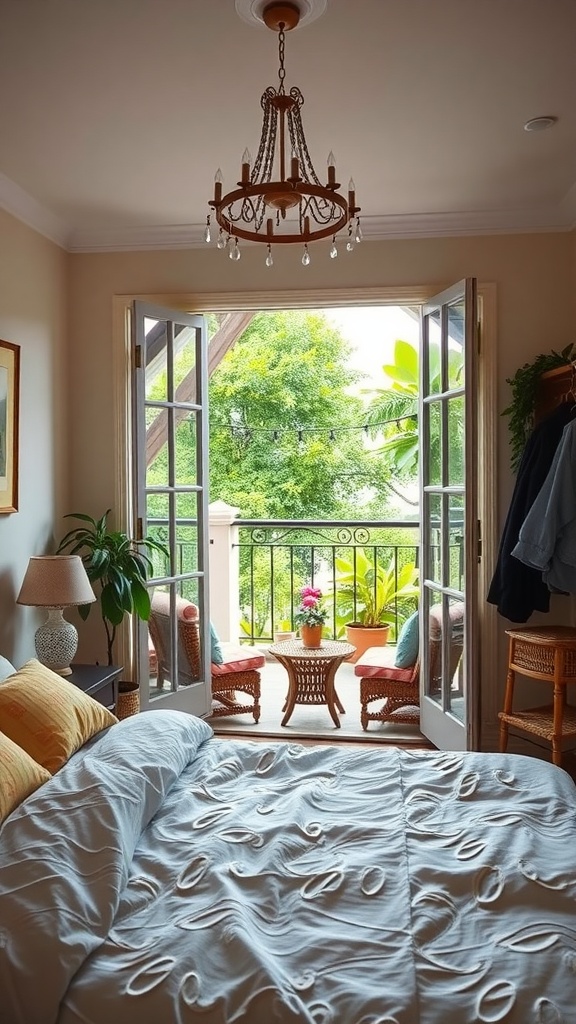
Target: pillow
x=408 y=642
x=47 y=715
x=216 y=653
x=20 y=775
x=6 y=668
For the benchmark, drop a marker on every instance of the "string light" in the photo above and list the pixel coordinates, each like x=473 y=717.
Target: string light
x=274 y=432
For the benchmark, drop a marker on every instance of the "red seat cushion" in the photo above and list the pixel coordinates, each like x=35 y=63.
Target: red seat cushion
x=238 y=659
x=378 y=663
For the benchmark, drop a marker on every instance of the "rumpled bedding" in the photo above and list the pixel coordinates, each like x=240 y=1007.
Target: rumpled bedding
x=166 y=877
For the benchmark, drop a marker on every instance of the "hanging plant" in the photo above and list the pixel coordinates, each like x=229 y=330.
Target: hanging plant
x=524 y=386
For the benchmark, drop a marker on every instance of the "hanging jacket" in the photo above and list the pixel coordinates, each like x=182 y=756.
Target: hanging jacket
x=516 y=588
x=548 y=535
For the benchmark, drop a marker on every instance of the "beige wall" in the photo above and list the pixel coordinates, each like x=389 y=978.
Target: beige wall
x=33 y=290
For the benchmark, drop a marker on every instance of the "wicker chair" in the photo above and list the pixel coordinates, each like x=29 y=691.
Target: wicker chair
x=399 y=688
x=239 y=671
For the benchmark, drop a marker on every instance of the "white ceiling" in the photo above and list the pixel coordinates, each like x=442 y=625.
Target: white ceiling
x=115 y=114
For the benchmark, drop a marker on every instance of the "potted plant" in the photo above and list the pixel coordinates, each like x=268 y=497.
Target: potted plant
x=118 y=564
x=310 y=616
x=367 y=598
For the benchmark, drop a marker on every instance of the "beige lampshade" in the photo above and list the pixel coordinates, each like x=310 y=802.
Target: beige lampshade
x=55 y=581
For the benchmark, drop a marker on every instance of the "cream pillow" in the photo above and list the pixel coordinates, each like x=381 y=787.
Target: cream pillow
x=47 y=715
x=20 y=775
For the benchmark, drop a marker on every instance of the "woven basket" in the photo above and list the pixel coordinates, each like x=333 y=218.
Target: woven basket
x=128 y=701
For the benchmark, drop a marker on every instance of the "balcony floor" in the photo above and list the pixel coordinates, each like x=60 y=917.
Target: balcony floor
x=313 y=721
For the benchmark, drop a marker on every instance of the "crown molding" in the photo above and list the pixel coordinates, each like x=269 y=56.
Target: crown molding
x=424 y=225
x=24 y=207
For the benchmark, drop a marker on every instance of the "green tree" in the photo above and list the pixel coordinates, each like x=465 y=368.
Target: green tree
x=286 y=437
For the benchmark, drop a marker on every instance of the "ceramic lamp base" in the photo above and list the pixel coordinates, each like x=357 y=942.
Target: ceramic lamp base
x=56 y=642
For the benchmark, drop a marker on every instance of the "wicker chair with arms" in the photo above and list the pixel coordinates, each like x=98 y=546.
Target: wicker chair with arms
x=399 y=688
x=239 y=671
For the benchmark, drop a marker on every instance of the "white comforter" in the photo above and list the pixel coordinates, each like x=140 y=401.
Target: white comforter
x=163 y=877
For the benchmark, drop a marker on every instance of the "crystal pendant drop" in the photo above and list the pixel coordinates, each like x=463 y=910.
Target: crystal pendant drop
x=333 y=250
x=221 y=242
x=235 y=251
x=207 y=229
x=269 y=259
x=306 y=257
x=358 y=234
x=350 y=242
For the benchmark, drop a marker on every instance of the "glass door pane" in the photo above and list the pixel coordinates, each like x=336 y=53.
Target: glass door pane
x=170 y=428
x=449 y=518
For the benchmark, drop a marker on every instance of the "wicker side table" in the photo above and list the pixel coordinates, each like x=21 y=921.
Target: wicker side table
x=311 y=672
x=546 y=653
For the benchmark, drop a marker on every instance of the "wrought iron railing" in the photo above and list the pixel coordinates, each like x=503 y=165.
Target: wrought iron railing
x=278 y=557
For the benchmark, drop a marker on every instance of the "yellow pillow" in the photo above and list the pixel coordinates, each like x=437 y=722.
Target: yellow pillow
x=47 y=715
x=19 y=776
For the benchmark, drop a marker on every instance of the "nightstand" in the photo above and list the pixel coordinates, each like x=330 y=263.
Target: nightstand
x=99 y=681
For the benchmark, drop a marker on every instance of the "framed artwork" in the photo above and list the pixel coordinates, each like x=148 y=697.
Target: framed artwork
x=9 y=422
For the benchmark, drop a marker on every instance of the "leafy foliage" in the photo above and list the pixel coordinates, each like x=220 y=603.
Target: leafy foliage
x=397 y=403
x=286 y=438
x=368 y=592
x=118 y=564
x=524 y=386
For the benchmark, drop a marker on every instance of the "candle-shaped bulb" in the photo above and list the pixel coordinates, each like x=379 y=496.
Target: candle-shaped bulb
x=351 y=196
x=218 y=179
x=294 y=165
x=331 y=168
x=246 y=161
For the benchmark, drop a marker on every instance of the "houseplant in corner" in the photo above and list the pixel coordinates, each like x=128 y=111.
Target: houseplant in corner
x=310 y=617
x=118 y=564
x=367 y=597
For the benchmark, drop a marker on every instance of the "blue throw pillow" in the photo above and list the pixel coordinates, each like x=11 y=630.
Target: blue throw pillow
x=216 y=655
x=408 y=642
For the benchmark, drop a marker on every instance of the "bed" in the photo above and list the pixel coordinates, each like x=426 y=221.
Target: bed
x=164 y=876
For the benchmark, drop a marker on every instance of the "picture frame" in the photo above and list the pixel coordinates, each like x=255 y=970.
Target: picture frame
x=9 y=425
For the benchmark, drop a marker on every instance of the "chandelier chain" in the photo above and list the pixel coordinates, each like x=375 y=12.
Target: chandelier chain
x=281 y=47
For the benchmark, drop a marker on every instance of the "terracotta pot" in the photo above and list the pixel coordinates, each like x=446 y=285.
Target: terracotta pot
x=311 y=636
x=363 y=637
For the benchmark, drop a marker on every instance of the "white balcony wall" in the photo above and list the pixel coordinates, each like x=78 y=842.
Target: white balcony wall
x=224 y=570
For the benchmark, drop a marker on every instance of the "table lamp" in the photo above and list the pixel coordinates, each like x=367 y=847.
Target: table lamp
x=55 y=582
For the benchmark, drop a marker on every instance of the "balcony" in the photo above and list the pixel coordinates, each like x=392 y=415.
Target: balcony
x=257 y=568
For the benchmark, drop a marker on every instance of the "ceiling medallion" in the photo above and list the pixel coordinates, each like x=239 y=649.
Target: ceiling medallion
x=279 y=199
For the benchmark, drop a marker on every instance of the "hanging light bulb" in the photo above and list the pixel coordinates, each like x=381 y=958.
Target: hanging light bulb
x=333 y=250
x=306 y=256
x=269 y=259
x=207 y=229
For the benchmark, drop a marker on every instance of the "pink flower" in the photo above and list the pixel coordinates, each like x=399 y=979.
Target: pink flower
x=309 y=601
x=311 y=592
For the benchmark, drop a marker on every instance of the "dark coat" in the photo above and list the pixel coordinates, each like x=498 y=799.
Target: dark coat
x=518 y=589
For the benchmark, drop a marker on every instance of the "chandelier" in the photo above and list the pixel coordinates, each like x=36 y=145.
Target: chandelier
x=279 y=198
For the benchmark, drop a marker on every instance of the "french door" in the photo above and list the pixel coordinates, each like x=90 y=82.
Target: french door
x=170 y=430
x=449 y=542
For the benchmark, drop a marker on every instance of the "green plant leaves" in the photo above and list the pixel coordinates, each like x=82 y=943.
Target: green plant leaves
x=119 y=564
